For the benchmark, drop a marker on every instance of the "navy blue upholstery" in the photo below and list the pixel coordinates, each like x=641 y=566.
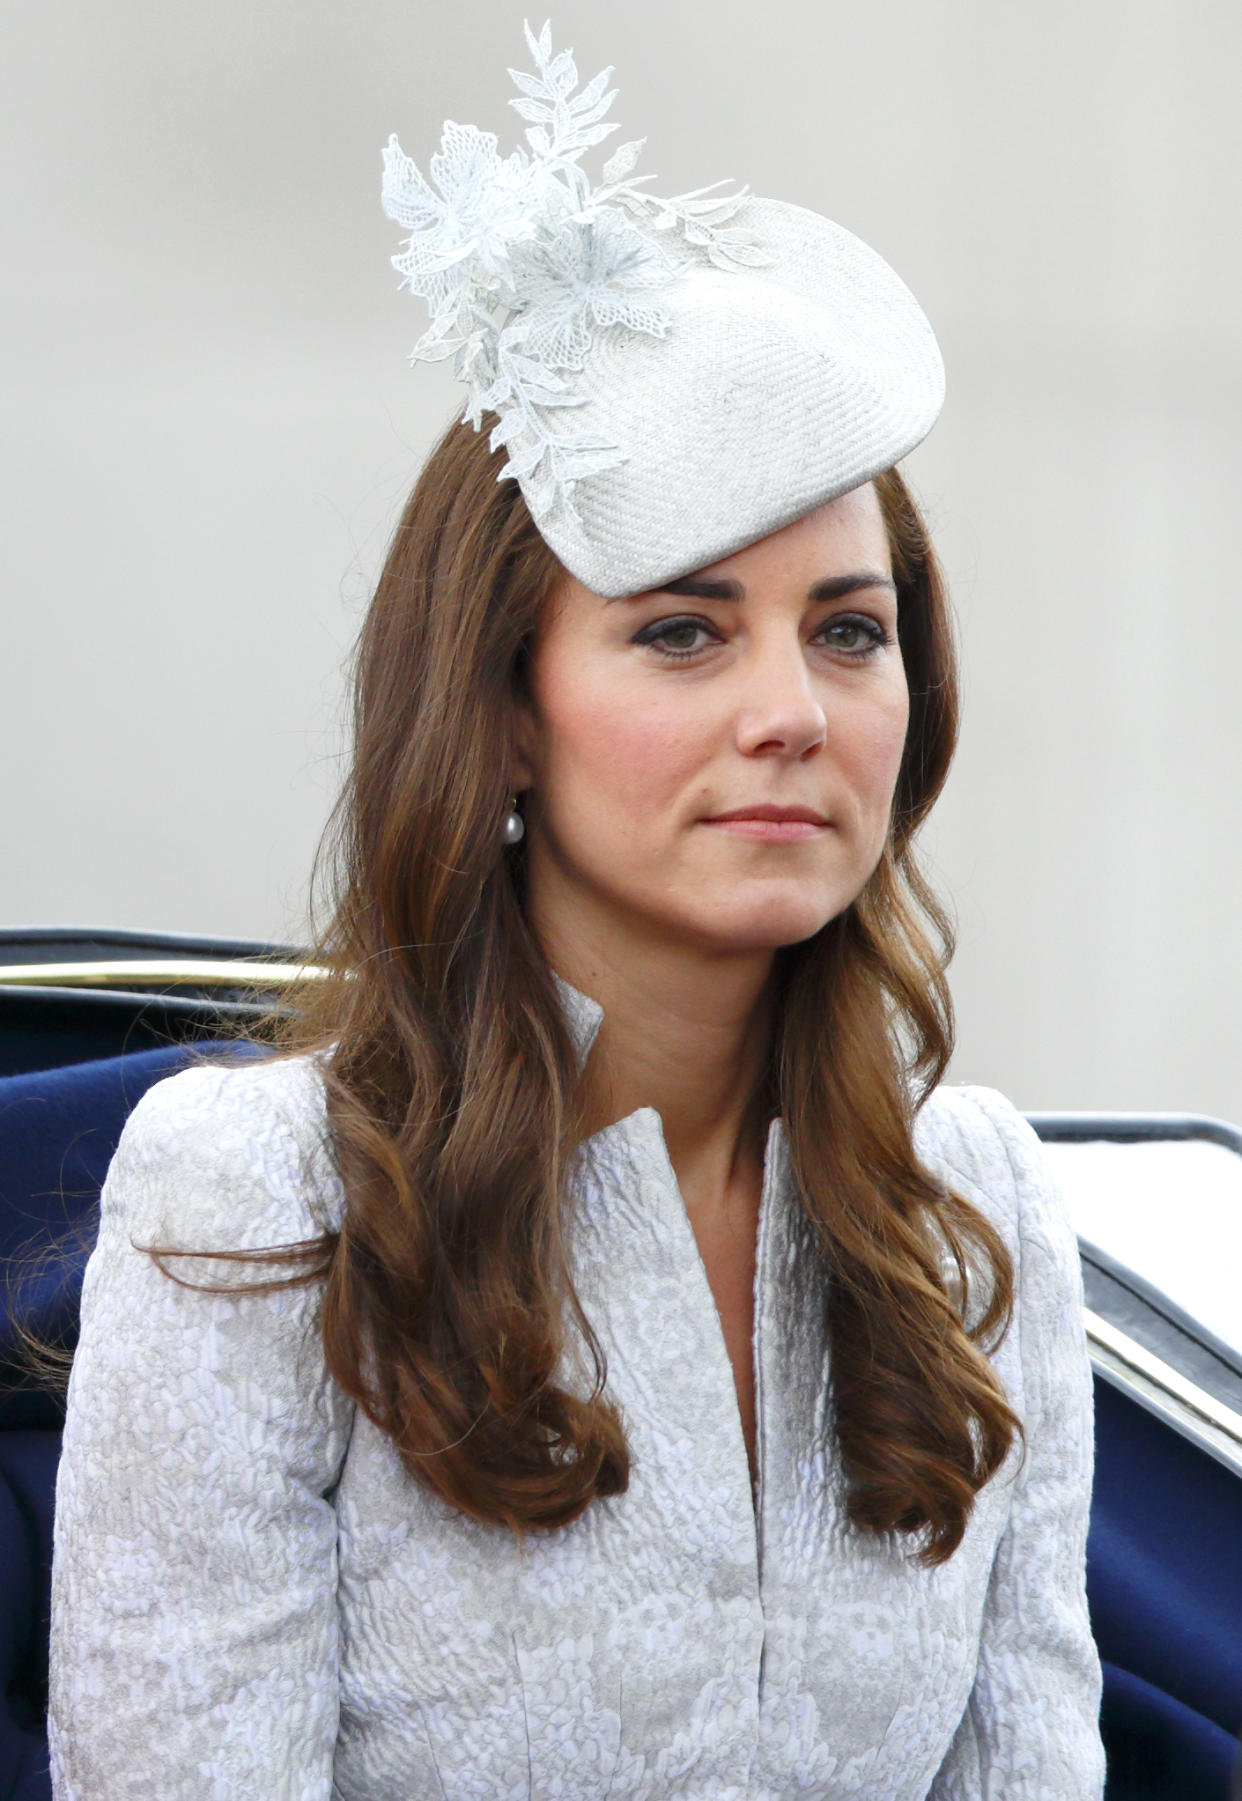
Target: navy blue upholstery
x=1164 y=1558
x=1164 y=1576
x=27 y=1481
x=1158 y=1747
x=58 y=1130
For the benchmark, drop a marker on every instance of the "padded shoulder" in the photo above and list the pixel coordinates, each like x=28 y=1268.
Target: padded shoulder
x=232 y=1156
x=979 y=1142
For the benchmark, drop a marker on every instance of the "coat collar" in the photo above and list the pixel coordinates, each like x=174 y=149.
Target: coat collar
x=583 y=1016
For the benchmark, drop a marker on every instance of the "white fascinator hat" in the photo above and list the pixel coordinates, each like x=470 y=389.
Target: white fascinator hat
x=671 y=379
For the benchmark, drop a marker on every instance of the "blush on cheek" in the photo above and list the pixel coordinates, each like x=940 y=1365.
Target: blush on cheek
x=872 y=750
x=633 y=753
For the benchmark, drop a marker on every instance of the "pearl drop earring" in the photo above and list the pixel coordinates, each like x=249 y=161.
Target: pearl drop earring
x=515 y=825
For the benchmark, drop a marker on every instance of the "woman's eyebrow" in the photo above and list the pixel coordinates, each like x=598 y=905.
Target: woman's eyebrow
x=833 y=587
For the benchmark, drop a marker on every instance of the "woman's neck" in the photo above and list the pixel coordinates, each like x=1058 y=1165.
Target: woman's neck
x=690 y=1038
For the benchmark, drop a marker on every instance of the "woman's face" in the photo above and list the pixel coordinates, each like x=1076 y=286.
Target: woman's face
x=771 y=679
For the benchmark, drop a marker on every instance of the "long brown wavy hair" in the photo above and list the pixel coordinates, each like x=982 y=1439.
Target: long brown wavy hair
x=455 y=1103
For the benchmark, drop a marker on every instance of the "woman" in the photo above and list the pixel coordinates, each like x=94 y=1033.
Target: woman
x=598 y=1360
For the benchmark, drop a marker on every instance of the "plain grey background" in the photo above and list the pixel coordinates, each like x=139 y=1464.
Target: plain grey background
x=211 y=425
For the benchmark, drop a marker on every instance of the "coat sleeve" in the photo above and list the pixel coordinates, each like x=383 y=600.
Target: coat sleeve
x=194 y=1628
x=1031 y=1727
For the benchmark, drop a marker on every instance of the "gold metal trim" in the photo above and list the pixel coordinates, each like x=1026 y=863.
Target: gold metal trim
x=1166 y=1388
x=160 y=971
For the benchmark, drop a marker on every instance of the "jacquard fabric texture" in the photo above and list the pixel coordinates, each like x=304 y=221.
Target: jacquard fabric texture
x=252 y=1598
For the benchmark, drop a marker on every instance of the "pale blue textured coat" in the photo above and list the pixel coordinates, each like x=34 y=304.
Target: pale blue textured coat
x=253 y=1601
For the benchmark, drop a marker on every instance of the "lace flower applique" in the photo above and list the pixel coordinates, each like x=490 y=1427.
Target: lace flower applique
x=522 y=263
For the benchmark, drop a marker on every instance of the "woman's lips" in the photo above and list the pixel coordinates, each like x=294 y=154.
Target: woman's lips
x=772 y=831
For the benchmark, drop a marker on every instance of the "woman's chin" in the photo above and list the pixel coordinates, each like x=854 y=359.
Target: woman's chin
x=769 y=926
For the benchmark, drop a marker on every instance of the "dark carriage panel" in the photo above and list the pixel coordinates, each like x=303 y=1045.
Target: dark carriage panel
x=51 y=1025
x=1164 y=1564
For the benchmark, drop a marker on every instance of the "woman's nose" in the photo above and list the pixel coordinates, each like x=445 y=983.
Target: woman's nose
x=779 y=711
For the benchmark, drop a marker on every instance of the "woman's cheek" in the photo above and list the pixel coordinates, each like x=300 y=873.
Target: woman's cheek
x=634 y=751
x=872 y=743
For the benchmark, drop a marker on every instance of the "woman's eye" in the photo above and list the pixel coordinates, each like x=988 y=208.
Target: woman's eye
x=854 y=634
x=673 y=637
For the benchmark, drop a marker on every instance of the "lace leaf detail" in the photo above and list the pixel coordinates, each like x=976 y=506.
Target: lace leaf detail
x=550 y=100
x=523 y=264
x=623 y=160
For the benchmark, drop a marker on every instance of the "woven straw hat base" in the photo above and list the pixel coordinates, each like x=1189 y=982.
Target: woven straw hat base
x=773 y=392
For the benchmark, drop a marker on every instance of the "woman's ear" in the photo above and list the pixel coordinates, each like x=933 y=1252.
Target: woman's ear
x=524 y=756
